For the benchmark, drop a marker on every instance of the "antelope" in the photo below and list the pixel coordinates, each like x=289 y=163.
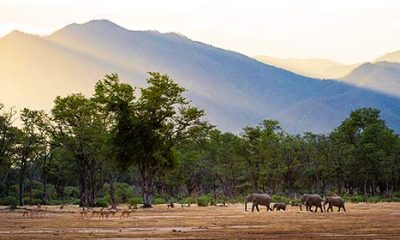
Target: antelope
x=83 y=213
x=125 y=214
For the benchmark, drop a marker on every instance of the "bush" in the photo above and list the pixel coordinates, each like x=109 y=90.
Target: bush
x=295 y=202
x=55 y=202
x=189 y=200
x=357 y=199
x=74 y=201
x=71 y=192
x=37 y=193
x=123 y=192
x=238 y=199
x=280 y=199
x=203 y=201
x=374 y=199
x=159 y=201
x=396 y=194
x=101 y=202
x=8 y=201
x=35 y=201
x=134 y=201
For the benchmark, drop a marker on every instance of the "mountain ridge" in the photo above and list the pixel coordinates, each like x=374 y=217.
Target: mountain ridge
x=234 y=90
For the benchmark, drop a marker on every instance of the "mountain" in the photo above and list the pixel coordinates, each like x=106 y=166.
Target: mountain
x=317 y=68
x=390 y=57
x=234 y=90
x=380 y=76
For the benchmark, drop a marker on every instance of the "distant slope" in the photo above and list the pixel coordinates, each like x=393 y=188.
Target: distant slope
x=390 y=57
x=318 y=68
x=235 y=90
x=381 y=76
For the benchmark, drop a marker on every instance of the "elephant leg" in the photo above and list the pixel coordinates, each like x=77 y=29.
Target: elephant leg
x=257 y=208
x=344 y=209
x=252 y=207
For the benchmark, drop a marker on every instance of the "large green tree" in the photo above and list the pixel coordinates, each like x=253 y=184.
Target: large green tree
x=150 y=127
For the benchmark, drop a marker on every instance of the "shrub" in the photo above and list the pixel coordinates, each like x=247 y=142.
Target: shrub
x=71 y=192
x=159 y=201
x=396 y=194
x=357 y=199
x=55 y=202
x=35 y=201
x=238 y=199
x=101 y=202
x=374 y=199
x=396 y=199
x=295 y=202
x=281 y=199
x=37 y=193
x=8 y=201
x=189 y=200
x=134 y=201
x=123 y=192
x=74 y=201
x=203 y=201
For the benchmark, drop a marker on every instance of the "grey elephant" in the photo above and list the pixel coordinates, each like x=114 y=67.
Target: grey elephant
x=334 y=201
x=279 y=206
x=258 y=199
x=312 y=200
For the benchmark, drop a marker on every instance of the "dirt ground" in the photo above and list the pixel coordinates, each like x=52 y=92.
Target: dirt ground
x=361 y=221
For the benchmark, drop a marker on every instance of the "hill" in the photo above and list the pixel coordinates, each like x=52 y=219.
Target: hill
x=235 y=90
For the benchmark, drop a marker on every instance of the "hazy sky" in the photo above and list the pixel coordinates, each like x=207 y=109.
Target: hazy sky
x=343 y=30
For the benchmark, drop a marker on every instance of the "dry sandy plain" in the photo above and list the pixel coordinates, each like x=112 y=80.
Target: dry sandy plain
x=361 y=221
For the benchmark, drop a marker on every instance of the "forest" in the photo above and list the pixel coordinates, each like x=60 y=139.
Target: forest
x=150 y=145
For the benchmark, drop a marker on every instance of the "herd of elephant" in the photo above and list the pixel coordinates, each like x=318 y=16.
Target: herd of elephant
x=309 y=200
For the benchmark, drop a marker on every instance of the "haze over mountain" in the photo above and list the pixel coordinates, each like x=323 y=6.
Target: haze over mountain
x=314 y=67
x=235 y=90
x=381 y=76
x=390 y=57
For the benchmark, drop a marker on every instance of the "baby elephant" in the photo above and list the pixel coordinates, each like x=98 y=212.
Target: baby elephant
x=279 y=206
x=334 y=201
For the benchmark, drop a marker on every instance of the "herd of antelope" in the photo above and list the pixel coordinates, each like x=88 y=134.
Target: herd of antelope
x=103 y=214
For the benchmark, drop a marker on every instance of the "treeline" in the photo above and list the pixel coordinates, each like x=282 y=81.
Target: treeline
x=124 y=142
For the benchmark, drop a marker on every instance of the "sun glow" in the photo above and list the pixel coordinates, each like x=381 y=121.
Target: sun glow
x=347 y=31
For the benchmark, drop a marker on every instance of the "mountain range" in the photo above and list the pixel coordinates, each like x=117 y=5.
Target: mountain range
x=235 y=90
x=313 y=67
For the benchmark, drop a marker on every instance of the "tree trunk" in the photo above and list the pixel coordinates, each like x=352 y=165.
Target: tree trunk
x=30 y=189
x=82 y=187
x=21 y=180
x=112 y=191
x=147 y=185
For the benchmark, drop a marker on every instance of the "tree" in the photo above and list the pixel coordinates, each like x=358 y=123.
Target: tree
x=148 y=130
x=369 y=142
x=81 y=130
x=8 y=141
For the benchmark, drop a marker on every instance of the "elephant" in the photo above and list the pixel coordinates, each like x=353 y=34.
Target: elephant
x=312 y=200
x=279 y=206
x=334 y=201
x=258 y=199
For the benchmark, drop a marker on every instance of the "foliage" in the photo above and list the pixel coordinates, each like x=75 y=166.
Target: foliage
x=135 y=201
x=8 y=201
x=101 y=202
x=203 y=200
x=123 y=140
x=159 y=201
x=281 y=199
